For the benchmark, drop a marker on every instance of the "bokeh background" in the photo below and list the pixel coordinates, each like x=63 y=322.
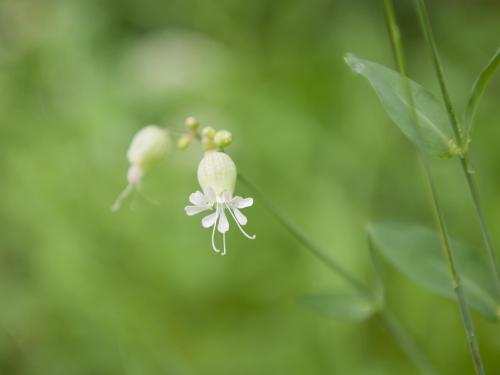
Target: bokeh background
x=85 y=291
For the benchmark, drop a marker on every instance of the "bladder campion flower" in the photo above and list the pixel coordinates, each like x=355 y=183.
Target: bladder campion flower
x=217 y=178
x=148 y=147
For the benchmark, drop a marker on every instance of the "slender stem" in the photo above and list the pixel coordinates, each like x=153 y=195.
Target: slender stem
x=457 y=282
x=303 y=239
x=464 y=158
x=474 y=192
x=393 y=326
x=406 y=342
x=448 y=251
x=426 y=27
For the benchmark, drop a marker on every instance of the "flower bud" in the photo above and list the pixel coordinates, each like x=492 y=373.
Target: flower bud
x=207 y=140
x=223 y=138
x=148 y=147
x=192 y=123
x=217 y=171
x=208 y=132
x=184 y=141
x=208 y=144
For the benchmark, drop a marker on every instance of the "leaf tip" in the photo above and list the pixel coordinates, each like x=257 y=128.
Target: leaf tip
x=354 y=63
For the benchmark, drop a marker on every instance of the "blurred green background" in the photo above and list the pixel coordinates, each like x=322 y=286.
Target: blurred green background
x=85 y=291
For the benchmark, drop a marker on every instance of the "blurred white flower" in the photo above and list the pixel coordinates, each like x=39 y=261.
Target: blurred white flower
x=217 y=178
x=149 y=146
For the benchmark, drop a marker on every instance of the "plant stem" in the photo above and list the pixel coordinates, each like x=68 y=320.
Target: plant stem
x=393 y=326
x=474 y=192
x=457 y=282
x=303 y=239
x=426 y=27
x=448 y=251
x=464 y=158
x=406 y=342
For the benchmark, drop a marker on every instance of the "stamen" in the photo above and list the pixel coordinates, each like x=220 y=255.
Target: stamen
x=239 y=226
x=133 y=203
x=224 y=243
x=148 y=199
x=124 y=194
x=213 y=232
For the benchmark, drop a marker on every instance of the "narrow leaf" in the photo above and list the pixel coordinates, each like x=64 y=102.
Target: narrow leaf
x=478 y=89
x=378 y=282
x=343 y=306
x=417 y=253
x=434 y=132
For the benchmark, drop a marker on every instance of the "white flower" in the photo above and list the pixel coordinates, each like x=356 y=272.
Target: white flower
x=149 y=146
x=217 y=177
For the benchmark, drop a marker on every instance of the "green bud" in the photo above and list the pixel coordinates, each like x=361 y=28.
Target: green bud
x=223 y=138
x=454 y=149
x=192 y=123
x=208 y=132
x=184 y=141
x=208 y=144
x=217 y=171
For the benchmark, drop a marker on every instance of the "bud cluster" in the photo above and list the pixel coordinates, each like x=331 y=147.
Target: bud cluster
x=211 y=139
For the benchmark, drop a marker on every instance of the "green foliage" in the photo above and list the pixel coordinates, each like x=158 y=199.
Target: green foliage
x=433 y=133
x=85 y=291
x=417 y=253
x=478 y=89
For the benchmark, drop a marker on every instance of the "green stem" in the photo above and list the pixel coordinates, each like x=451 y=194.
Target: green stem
x=406 y=342
x=474 y=192
x=464 y=159
x=426 y=27
x=448 y=251
x=392 y=325
x=457 y=282
x=303 y=239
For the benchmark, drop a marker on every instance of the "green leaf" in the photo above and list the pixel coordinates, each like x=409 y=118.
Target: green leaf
x=417 y=252
x=478 y=90
x=343 y=306
x=434 y=132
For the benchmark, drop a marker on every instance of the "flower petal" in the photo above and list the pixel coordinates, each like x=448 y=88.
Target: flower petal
x=193 y=210
x=242 y=219
x=210 y=220
x=197 y=198
x=227 y=197
x=240 y=202
x=210 y=195
x=223 y=226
